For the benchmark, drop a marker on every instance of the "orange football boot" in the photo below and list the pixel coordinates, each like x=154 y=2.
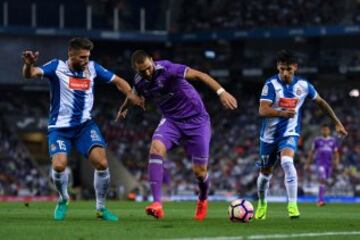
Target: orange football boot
x=201 y=210
x=156 y=210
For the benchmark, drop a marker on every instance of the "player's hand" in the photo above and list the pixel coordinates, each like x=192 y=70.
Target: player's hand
x=121 y=114
x=287 y=113
x=30 y=57
x=340 y=129
x=228 y=101
x=136 y=100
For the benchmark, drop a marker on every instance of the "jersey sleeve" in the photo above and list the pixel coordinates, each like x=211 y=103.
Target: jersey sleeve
x=312 y=93
x=49 y=68
x=103 y=74
x=177 y=70
x=268 y=93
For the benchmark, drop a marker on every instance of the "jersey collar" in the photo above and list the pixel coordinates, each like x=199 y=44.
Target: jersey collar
x=293 y=80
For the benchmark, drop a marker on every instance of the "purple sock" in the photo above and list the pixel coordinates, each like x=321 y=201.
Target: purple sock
x=203 y=187
x=155 y=171
x=321 y=192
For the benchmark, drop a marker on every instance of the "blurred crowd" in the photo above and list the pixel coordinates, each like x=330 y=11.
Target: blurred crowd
x=19 y=175
x=220 y=14
x=185 y=15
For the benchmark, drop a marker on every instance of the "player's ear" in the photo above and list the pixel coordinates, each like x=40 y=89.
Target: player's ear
x=295 y=66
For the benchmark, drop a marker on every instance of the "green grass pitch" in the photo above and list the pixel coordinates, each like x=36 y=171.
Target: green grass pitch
x=35 y=222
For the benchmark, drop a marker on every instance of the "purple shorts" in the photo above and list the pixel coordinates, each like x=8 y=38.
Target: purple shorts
x=196 y=133
x=324 y=171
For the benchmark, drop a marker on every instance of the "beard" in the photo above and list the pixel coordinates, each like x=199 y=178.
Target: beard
x=79 y=67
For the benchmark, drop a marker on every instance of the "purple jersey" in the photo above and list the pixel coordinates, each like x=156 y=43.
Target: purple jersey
x=176 y=98
x=324 y=149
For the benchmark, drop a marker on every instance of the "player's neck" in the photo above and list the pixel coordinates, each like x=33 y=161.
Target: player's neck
x=286 y=82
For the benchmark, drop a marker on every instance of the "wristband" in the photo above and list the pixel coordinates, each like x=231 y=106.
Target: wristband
x=220 y=91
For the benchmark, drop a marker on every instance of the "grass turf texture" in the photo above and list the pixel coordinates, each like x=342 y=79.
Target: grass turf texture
x=18 y=221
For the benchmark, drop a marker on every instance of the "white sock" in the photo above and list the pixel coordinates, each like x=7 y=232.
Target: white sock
x=101 y=185
x=61 y=180
x=291 y=183
x=263 y=183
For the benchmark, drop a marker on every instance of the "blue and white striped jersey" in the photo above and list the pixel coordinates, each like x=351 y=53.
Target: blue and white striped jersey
x=72 y=92
x=282 y=95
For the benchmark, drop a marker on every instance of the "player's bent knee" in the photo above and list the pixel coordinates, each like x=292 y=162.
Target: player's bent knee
x=59 y=163
x=266 y=171
x=200 y=171
x=157 y=148
x=58 y=166
x=101 y=164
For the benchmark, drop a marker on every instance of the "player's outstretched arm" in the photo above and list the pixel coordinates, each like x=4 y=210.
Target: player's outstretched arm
x=29 y=70
x=131 y=97
x=265 y=110
x=336 y=157
x=125 y=88
x=227 y=100
x=325 y=107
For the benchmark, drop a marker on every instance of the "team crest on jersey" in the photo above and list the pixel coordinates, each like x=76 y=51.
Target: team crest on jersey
x=52 y=147
x=291 y=141
x=81 y=84
x=265 y=90
x=298 y=91
x=94 y=136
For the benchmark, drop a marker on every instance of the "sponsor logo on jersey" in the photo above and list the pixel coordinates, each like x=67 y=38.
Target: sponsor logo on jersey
x=81 y=84
x=288 y=103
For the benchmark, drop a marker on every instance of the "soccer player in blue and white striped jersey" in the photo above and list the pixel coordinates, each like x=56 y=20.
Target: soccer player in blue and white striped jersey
x=72 y=96
x=280 y=109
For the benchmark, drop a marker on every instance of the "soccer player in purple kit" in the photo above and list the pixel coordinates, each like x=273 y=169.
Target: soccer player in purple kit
x=326 y=153
x=70 y=122
x=184 y=117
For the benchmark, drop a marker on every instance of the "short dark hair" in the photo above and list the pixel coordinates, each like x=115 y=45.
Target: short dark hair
x=325 y=125
x=139 y=57
x=79 y=43
x=286 y=56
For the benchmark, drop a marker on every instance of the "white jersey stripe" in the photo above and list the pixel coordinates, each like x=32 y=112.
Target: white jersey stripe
x=72 y=92
x=295 y=93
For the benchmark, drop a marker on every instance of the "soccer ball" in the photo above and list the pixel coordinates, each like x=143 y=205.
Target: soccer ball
x=241 y=210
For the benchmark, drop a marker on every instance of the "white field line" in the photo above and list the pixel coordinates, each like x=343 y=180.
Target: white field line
x=277 y=236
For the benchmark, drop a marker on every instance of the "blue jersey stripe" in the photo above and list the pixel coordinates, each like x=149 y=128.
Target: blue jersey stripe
x=78 y=106
x=298 y=126
x=54 y=99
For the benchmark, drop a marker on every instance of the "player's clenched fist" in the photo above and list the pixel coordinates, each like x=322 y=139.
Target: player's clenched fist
x=287 y=113
x=30 y=57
